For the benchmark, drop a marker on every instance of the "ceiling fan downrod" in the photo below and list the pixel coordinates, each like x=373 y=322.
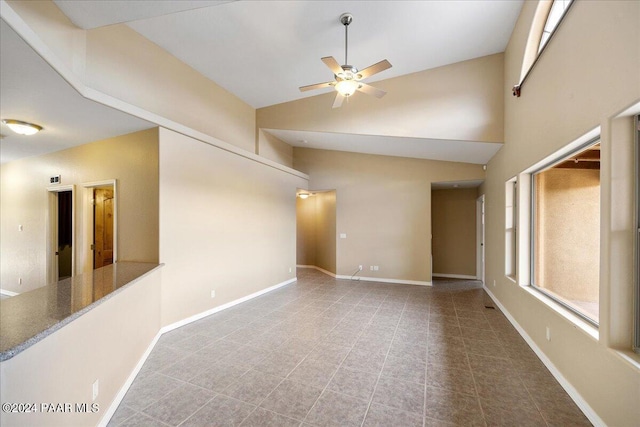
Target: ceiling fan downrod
x=346 y=19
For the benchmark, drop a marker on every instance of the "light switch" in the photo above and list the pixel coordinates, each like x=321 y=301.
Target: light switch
x=343 y=235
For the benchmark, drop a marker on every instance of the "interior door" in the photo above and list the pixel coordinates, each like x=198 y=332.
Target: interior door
x=103 y=227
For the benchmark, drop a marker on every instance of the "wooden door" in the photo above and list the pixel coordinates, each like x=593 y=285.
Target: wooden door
x=103 y=227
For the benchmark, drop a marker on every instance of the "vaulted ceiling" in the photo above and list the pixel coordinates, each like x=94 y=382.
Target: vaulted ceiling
x=262 y=51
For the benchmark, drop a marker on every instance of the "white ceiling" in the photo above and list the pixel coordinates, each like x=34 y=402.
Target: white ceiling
x=420 y=148
x=262 y=51
x=33 y=92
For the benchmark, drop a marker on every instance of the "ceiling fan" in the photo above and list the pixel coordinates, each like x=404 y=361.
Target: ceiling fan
x=347 y=77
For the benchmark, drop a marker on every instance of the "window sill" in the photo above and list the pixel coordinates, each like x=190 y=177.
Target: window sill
x=580 y=323
x=629 y=357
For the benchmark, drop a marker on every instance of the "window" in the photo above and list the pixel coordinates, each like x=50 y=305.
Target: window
x=557 y=11
x=636 y=344
x=511 y=228
x=565 y=231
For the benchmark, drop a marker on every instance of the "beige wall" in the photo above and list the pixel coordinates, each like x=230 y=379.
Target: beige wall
x=227 y=224
x=461 y=101
x=306 y=231
x=384 y=207
x=568 y=221
x=587 y=74
x=274 y=149
x=130 y=159
x=453 y=221
x=103 y=344
x=316 y=230
x=326 y=230
x=96 y=58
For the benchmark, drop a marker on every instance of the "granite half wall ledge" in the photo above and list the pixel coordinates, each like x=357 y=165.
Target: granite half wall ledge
x=28 y=318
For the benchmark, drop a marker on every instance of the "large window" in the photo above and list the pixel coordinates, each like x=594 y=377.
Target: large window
x=565 y=228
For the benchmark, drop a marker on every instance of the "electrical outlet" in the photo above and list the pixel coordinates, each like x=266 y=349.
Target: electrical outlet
x=371 y=268
x=359 y=268
x=289 y=269
x=375 y=268
x=96 y=388
x=20 y=281
x=20 y=228
x=548 y=333
x=494 y=283
x=213 y=294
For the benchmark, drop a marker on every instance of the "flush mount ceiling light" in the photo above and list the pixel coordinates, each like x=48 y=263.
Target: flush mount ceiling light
x=22 y=128
x=347 y=77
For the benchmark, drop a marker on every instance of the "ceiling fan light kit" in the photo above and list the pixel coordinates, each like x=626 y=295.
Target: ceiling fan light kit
x=347 y=77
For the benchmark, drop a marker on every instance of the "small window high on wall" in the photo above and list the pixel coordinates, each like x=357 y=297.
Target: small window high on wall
x=566 y=231
x=557 y=11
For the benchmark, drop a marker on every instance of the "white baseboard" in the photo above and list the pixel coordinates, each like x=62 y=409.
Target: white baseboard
x=367 y=279
x=123 y=390
x=566 y=385
x=199 y=316
x=125 y=387
x=8 y=293
x=455 y=276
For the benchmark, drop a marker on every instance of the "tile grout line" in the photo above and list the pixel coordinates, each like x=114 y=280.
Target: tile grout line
x=375 y=387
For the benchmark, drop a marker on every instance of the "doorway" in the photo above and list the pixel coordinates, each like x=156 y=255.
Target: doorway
x=60 y=235
x=480 y=238
x=100 y=225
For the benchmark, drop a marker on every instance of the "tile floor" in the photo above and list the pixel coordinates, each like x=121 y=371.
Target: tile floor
x=340 y=353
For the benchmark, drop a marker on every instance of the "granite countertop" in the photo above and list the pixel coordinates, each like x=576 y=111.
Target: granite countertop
x=31 y=316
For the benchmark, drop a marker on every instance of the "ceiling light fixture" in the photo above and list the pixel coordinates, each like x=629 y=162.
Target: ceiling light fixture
x=22 y=128
x=303 y=195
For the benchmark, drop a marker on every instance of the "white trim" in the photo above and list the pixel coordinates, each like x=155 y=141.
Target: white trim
x=455 y=276
x=368 y=279
x=322 y=270
x=125 y=387
x=9 y=293
x=209 y=312
x=566 y=385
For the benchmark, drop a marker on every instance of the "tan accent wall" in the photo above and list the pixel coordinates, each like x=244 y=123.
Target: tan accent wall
x=587 y=75
x=384 y=207
x=130 y=159
x=227 y=224
x=274 y=149
x=461 y=101
x=316 y=230
x=453 y=221
x=306 y=231
x=103 y=344
x=568 y=239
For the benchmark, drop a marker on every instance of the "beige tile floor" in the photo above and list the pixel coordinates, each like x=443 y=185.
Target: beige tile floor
x=340 y=353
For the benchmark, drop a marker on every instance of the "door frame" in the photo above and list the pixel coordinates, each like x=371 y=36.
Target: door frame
x=86 y=262
x=52 y=231
x=480 y=239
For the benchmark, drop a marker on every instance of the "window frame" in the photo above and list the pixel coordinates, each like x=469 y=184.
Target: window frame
x=636 y=249
x=557 y=159
x=511 y=192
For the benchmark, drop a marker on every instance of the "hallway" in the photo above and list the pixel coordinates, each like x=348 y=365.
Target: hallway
x=325 y=352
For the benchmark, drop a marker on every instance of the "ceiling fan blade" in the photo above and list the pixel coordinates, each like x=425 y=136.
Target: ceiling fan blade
x=374 y=69
x=317 y=86
x=370 y=90
x=331 y=62
x=338 y=101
